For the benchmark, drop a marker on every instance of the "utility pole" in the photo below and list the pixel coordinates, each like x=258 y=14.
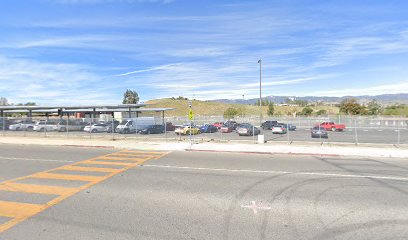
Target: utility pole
x=190 y=116
x=260 y=91
x=242 y=112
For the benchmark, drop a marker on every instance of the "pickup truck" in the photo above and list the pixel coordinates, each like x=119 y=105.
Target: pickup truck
x=331 y=126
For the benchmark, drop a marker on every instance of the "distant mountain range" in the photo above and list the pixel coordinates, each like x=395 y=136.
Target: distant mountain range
x=385 y=99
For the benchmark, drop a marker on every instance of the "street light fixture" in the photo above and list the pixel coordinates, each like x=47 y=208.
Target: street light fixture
x=260 y=91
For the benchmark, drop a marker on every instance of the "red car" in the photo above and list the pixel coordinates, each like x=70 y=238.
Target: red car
x=226 y=129
x=170 y=126
x=331 y=126
x=218 y=124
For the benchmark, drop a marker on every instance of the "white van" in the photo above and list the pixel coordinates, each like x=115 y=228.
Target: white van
x=131 y=125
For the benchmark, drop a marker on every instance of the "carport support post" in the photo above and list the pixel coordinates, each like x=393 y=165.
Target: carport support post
x=130 y=113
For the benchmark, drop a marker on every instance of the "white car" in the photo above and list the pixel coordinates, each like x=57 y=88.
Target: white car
x=26 y=125
x=279 y=129
x=44 y=126
x=98 y=127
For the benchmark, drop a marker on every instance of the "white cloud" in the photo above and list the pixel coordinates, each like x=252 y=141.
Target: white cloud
x=393 y=88
x=49 y=83
x=162 y=67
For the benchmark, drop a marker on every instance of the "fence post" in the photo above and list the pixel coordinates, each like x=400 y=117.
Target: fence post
x=4 y=126
x=113 y=129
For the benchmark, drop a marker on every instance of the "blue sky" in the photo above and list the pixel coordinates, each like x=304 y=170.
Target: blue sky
x=90 y=51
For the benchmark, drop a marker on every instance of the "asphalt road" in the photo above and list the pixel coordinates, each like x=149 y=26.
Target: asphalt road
x=196 y=195
x=362 y=135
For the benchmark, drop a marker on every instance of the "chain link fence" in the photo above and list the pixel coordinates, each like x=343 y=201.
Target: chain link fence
x=359 y=130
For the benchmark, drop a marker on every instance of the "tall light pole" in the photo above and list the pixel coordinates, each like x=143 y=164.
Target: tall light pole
x=242 y=112
x=260 y=91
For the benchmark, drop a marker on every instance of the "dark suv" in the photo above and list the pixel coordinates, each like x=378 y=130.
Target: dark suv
x=268 y=124
x=152 y=129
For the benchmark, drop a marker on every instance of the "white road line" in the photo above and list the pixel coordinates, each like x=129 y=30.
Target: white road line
x=34 y=159
x=283 y=172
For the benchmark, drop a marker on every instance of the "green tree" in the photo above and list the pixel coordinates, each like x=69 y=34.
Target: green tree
x=230 y=113
x=321 y=112
x=271 y=109
x=130 y=97
x=352 y=107
x=374 y=108
x=306 y=111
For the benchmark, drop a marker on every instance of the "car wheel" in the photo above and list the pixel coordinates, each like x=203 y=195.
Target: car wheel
x=42 y=129
x=63 y=130
x=333 y=129
x=148 y=132
x=94 y=131
x=30 y=129
x=17 y=129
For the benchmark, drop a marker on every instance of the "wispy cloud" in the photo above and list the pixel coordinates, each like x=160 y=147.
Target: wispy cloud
x=394 y=88
x=163 y=67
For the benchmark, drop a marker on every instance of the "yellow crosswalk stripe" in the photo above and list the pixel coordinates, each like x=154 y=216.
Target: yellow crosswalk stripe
x=33 y=188
x=19 y=210
x=69 y=177
x=142 y=152
x=121 y=159
x=108 y=163
x=89 y=169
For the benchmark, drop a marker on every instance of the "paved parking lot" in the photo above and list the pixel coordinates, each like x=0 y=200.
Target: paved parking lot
x=362 y=135
x=83 y=193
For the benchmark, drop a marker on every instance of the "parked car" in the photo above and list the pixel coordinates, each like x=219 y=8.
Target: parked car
x=331 y=126
x=170 y=126
x=5 y=123
x=24 y=125
x=218 y=124
x=98 y=127
x=319 y=132
x=288 y=126
x=185 y=130
x=132 y=125
x=247 y=130
x=152 y=129
x=63 y=126
x=232 y=124
x=42 y=126
x=208 y=128
x=279 y=129
x=267 y=125
x=226 y=128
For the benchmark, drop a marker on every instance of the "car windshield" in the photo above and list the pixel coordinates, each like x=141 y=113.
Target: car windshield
x=123 y=122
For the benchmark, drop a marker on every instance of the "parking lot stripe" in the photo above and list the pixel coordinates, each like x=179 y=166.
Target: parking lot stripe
x=89 y=169
x=32 y=188
x=19 y=212
x=69 y=177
